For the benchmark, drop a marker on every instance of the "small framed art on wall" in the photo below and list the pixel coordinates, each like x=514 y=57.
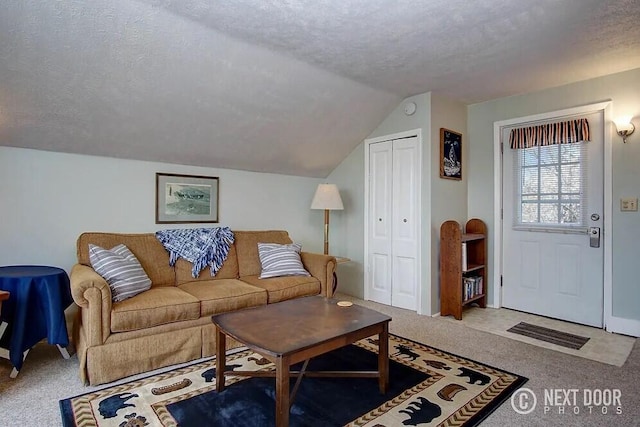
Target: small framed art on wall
x=182 y=199
x=450 y=154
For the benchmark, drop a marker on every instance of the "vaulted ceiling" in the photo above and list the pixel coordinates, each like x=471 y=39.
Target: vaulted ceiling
x=278 y=86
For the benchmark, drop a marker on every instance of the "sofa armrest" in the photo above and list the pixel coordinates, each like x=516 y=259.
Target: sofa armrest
x=93 y=295
x=322 y=268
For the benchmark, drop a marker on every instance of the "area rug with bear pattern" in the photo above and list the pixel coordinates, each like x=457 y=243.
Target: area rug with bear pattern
x=428 y=387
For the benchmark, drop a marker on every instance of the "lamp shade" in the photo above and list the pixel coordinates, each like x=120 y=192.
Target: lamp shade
x=624 y=124
x=327 y=197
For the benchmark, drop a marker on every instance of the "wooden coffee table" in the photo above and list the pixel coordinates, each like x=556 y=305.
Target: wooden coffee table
x=293 y=331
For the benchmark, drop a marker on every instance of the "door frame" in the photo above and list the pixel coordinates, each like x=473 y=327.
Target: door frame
x=606 y=108
x=420 y=309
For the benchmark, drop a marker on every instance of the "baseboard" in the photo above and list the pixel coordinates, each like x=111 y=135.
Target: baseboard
x=624 y=326
x=438 y=313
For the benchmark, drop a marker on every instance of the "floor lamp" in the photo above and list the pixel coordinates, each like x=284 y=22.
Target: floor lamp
x=327 y=197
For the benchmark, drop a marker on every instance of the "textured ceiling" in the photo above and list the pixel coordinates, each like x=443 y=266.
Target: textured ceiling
x=278 y=86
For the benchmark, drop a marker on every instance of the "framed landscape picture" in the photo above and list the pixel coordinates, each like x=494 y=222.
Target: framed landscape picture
x=184 y=199
x=450 y=154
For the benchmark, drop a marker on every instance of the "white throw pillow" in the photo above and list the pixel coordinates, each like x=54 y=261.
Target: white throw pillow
x=280 y=260
x=121 y=269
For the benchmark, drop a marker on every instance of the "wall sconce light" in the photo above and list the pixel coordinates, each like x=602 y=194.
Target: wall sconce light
x=624 y=127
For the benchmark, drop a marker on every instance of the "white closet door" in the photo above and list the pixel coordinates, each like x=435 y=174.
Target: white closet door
x=380 y=193
x=404 y=247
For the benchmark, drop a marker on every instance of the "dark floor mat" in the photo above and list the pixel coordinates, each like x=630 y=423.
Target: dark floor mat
x=549 y=335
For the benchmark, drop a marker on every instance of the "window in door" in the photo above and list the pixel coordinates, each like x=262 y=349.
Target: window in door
x=551 y=190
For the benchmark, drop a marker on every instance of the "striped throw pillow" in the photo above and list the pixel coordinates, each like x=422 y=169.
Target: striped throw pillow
x=121 y=269
x=280 y=260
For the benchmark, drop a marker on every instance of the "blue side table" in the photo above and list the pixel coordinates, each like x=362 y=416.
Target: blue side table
x=34 y=310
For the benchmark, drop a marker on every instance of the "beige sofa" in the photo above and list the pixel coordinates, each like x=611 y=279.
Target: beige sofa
x=171 y=322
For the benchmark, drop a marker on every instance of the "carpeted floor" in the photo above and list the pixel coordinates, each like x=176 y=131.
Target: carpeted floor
x=32 y=398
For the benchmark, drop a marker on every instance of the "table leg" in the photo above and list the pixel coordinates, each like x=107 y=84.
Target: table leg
x=3 y=327
x=383 y=359
x=282 y=392
x=221 y=358
x=63 y=351
x=14 y=372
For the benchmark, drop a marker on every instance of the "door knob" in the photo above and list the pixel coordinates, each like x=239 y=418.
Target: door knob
x=404 y=220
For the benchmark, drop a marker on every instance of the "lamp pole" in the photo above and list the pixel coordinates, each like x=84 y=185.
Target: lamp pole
x=326 y=231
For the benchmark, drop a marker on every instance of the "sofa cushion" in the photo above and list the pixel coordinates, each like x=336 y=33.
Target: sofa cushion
x=122 y=271
x=149 y=251
x=280 y=260
x=222 y=295
x=284 y=288
x=229 y=269
x=157 y=306
x=247 y=248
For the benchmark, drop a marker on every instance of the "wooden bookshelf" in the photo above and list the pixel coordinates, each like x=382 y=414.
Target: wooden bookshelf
x=463 y=276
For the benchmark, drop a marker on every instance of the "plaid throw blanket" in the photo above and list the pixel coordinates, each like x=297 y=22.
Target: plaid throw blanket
x=200 y=246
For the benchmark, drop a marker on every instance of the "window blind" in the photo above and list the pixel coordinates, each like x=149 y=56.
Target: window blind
x=551 y=171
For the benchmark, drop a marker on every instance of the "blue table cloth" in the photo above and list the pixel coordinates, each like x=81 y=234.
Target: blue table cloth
x=35 y=308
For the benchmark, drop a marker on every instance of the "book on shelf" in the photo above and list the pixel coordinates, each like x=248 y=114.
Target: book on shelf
x=464 y=256
x=472 y=286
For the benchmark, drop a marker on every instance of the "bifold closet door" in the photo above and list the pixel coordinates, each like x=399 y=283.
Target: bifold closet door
x=380 y=193
x=404 y=238
x=393 y=239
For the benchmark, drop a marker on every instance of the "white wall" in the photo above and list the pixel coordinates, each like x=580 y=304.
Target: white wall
x=444 y=199
x=448 y=197
x=47 y=199
x=349 y=177
x=441 y=199
x=346 y=235
x=624 y=91
x=397 y=122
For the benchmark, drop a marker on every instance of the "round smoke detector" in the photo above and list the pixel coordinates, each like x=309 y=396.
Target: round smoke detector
x=409 y=108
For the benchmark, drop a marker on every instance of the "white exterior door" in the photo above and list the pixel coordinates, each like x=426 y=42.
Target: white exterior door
x=393 y=228
x=549 y=266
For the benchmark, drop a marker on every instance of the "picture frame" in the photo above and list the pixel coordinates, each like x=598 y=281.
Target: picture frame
x=184 y=199
x=450 y=154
